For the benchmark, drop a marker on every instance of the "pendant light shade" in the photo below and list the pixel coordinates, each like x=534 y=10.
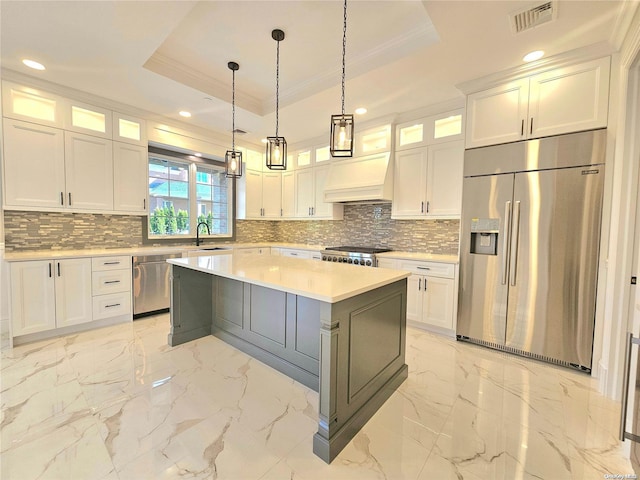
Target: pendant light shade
x=233 y=157
x=341 y=142
x=277 y=146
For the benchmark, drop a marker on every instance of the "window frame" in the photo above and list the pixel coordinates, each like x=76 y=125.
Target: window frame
x=192 y=162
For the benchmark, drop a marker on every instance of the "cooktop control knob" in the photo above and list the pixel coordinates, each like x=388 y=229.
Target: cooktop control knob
x=368 y=263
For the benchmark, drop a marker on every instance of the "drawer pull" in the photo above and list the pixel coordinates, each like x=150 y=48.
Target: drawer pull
x=111 y=263
x=112 y=281
x=424 y=268
x=112 y=305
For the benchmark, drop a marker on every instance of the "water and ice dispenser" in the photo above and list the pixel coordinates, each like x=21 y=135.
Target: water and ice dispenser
x=484 y=236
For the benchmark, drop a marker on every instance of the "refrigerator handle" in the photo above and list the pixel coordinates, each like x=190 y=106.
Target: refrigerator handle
x=505 y=241
x=515 y=244
x=625 y=387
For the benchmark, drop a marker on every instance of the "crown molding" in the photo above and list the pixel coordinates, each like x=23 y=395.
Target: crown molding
x=631 y=44
x=624 y=20
x=579 y=55
x=435 y=109
x=179 y=72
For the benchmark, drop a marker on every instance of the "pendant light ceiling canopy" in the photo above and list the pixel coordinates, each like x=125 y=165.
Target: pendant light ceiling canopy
x=341 y=142
x=277 y=146
x=233 y=157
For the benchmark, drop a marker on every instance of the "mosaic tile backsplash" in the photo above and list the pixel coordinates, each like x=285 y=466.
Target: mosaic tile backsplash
x=366 y=225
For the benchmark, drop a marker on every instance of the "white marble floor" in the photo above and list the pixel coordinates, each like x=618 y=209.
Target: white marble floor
x=118 y=403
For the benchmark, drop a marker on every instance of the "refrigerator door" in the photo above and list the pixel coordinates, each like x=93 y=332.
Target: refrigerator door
x=554 y=261
x=484 y=243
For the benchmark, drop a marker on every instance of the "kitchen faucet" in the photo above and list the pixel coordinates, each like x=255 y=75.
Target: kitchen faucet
x=198 y=232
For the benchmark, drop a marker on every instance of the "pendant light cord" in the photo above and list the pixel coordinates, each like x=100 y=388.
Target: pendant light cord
x=344 y=49
x=233 y=111
x=277 y=81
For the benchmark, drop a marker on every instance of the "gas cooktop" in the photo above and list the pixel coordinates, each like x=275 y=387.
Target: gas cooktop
x=369 y=250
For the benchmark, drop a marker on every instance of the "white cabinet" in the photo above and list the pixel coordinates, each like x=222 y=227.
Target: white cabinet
x=262 y=193
x=428 y=181
x=128 y=129
x=558 y=101
x=33 y=105
x=130 y=178
x=298 y=253
x=33 y=165
x=430 y=294
x=88 y=172
x=372 y=140
x=83 y=118
x=444 y=127
x=50 y=294
x=288 y=194
x=252 y=251
x=309 y=187
x=111 y=287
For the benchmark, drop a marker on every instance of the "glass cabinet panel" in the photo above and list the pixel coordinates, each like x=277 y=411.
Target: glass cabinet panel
x=89 y=119
x=448 y=126
x=323 y=154
x=411 y=134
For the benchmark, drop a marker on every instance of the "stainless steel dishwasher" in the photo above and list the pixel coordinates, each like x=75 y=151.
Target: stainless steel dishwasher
x=151 y=283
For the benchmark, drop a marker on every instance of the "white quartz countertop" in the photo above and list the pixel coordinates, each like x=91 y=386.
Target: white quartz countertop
x=324 y=281
x=428 y=257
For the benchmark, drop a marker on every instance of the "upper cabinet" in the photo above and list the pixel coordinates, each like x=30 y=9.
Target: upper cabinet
x=33 y=105
x=373 y=140
x=129 y=129
x=83 y=118
x=563 y=100
x=445 y=127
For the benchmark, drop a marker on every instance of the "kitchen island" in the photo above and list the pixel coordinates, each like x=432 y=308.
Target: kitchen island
x=339 y=329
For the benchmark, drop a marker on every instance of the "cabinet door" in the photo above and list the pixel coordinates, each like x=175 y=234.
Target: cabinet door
x=271 y=194
x=33 y=105
x=497 y=115
x=414 y=297
x=88 y=172
x=437 y=302
x=569 y=99
x=288 y=194
x=33 y=165
x=320 y=208
x=444 y=179
x=130 y=173
x=84 y=118
x=253 y=194
x=73 y=291
x=33 y=306
x=304 y=192
x=410 y=183
x=129 y=129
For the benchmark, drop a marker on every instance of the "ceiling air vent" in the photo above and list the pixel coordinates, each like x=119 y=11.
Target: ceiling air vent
x=533 y=17
x=239 y=131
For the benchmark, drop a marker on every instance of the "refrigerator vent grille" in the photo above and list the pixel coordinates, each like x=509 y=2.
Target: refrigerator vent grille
x=522 y=353
x=533 y=17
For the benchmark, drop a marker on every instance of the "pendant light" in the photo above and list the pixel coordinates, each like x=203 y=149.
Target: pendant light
x=341 y=143
x=233 y=157
x=277 y=146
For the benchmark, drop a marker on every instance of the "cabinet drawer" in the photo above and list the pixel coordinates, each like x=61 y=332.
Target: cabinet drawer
x=433 y=269
x=111 y=281
x=110 y=263
x=105 y=306
x=287 y=252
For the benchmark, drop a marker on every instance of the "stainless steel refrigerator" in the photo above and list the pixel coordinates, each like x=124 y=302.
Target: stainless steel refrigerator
x=530 y=234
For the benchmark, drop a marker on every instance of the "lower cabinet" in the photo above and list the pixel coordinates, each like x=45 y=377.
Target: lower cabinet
x=51 y=294
x=252 y=251
x=48 y=294
x=431 y=293
x=297 y=253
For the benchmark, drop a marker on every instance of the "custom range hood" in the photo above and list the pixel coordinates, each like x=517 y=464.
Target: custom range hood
x=360 y=179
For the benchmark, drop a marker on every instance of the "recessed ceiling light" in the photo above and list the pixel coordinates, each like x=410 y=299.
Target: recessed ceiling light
x=33 y=64
x=185 y=114
x=361 y=110
x=198 y=154
x=264 y=140
x=533 y=56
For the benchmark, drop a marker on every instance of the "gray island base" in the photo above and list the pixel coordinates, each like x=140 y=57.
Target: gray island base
x=351 y=351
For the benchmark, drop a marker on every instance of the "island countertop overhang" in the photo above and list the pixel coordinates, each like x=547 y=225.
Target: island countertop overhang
x=324 y=281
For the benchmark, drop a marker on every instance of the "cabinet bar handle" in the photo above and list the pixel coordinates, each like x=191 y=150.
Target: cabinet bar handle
x=111 y=263
x=280 y=212
x=419 y=284
x=144 y=203
x=531 y=127
x=294 y=254
x=427 y=206
x=112 y=305
x=424 y=268
x=49 y=269
x=422 y=207
x=69 y=198
x=58 y=268
x=522 y=128
x=425 y=284
x=112 y=281
x=61 y=198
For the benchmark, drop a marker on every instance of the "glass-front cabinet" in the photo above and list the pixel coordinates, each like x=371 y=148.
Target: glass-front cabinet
x=444 y=127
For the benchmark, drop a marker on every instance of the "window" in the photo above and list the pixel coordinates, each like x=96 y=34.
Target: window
x=184 y=192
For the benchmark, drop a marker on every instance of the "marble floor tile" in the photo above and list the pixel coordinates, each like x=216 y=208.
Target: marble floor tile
x=119 y=404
